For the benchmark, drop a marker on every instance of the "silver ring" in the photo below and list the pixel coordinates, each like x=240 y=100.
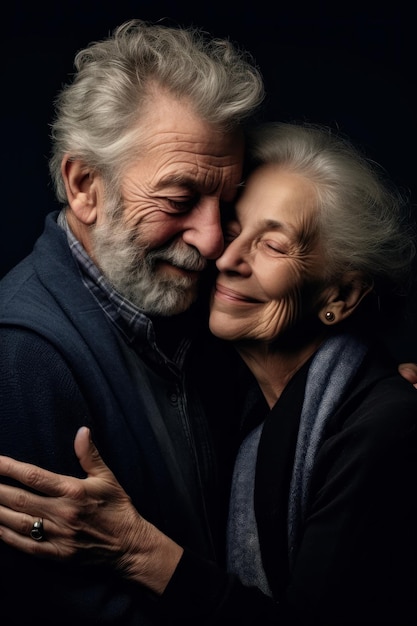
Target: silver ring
x=37 y=530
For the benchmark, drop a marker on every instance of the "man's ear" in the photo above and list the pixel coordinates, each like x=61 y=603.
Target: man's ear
x=82 y=186
x=343 y=298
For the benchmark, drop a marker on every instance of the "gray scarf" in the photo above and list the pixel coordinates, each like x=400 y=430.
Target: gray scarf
x=329 y=376
x=330 y=373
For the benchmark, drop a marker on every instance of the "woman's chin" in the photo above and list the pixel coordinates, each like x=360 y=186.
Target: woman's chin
x=224 y=328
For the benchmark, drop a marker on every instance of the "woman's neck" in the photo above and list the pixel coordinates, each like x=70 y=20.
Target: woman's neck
x=273 y=367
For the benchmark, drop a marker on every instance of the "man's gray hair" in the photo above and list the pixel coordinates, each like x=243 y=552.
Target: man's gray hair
x=97 y=116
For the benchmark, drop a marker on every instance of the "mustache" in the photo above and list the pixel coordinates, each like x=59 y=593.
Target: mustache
x=178 y=254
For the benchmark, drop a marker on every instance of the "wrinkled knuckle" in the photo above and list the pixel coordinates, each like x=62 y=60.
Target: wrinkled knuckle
x=32 y=477
x=21 y=500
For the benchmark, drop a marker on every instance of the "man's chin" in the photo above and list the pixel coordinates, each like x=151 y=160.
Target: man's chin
x=170 y=301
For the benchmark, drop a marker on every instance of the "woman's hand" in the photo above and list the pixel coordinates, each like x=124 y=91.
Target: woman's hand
x=91 y=520
x=409 y=372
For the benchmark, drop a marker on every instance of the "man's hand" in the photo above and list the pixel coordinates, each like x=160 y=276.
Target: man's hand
x=90 y=520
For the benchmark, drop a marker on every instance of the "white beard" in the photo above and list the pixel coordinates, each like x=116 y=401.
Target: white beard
x=134 y=271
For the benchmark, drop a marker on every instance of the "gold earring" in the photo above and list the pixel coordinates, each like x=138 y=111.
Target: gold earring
x=330 y=316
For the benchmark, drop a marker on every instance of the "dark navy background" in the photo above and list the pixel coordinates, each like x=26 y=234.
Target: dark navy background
x=350 y=67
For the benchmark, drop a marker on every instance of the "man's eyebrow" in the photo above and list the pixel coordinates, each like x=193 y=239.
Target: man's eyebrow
x=178 y=180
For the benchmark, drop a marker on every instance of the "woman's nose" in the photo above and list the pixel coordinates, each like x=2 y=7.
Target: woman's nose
x=233 y=258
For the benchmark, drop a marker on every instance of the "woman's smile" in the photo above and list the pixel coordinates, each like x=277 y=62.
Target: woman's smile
x=225 y=293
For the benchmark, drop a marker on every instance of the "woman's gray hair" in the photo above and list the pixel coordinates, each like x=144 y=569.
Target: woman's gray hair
x=97 y=115
x=363 y=219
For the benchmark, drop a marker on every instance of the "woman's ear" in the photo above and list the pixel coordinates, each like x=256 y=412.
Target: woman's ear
x=343 y=298
x=82 y=187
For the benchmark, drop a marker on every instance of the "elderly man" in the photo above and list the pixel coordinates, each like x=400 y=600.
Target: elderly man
x=101 y=325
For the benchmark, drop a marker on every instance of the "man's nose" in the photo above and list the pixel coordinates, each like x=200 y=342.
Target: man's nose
x=203 y=230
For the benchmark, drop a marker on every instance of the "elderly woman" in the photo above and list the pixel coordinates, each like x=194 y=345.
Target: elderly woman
x=322 y=524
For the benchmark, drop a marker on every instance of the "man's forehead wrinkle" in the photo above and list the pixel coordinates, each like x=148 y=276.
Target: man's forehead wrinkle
x=189 y=143
x=194 y=174
x=203 y=162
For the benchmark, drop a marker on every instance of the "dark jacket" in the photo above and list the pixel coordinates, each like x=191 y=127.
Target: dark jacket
x=356 y=561
x=64 y=364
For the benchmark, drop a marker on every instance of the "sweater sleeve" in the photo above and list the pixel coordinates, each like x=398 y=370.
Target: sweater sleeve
x=41 y=403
